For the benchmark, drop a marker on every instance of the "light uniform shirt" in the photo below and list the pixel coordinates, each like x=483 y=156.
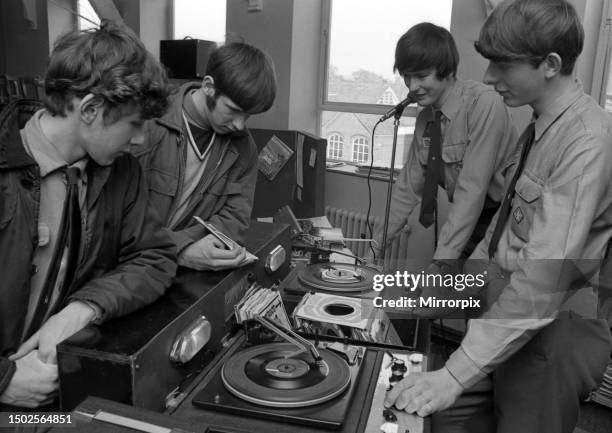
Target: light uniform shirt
x=478 y=146
x=52 y=197
x=561 y=218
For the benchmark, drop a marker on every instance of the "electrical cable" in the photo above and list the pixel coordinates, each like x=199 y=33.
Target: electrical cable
x=368 y=224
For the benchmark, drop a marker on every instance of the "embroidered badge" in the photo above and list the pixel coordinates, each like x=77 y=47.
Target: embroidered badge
x=518 y=215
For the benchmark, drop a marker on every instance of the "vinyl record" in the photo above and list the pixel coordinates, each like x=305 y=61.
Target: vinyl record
x=338 y=277
x=336 y=309
x=265 y=375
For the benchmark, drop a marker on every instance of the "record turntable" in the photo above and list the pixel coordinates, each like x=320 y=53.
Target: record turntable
x=270 y=387
x=260 y=383
x=212 y=406
x=271 y=382
x=345 y=278
x=290 y=381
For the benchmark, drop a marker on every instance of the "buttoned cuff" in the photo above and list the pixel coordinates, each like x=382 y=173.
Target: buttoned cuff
x=464 y=369
x=446 y=253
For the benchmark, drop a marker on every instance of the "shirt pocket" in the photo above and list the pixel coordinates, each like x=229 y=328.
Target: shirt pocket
x=161 y=182
x=223 y=187
x=162 y=190
x=526 y=199
x=452 y=156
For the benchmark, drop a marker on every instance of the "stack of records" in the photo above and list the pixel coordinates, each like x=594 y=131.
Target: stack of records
x=604 y=394
x=262 y=302
x=339 y=316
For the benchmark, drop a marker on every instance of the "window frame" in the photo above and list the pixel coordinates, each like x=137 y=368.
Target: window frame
x=172 y=26
x=366 y=147
x=601 y=67
x=345 y=107
x=79 y=13
x=339 y=142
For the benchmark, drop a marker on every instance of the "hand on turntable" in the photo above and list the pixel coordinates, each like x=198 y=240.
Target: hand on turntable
x=210 y=254
x=424 y=393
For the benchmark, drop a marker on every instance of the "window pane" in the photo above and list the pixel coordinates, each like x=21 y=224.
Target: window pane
x=335 y=146
x=200 y=19
x=362 y=49
x=360 y=71
x=608 y=103
x=86 y=11
x=357 y=130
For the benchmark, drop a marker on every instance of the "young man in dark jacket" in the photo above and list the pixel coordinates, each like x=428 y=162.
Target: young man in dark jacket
x=78 y=241
x=200 y=159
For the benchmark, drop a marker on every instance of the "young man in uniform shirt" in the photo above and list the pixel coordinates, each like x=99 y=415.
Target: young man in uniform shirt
x=200 y=159
x=539 y=339
x=469 y=160
x=78 y=240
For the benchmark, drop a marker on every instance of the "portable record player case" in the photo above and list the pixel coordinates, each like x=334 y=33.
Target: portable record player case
x=365 y=414
x=317 y=403
x=365 y=403
x=127 y=360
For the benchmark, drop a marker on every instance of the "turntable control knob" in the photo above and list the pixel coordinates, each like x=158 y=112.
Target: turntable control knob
x=389 y=416
x=217 y=398
x=395 y=377
x=398 y=369
x=399 y=366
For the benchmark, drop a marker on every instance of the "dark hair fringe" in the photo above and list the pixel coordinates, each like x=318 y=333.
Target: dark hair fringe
x=244 y=74
x=529 y=30
x=427 y=46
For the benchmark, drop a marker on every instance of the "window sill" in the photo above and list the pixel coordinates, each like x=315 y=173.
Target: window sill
x=353 y=170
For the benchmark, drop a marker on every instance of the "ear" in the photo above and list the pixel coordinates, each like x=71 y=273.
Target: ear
x=552 y=65
x=89 y=107
x=208 y=84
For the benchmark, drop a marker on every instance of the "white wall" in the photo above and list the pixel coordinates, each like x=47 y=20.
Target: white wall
x=289 y=31
x=269 y=30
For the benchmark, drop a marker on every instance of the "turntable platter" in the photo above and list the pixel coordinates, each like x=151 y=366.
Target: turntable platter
x=267 y=376
x=338 y=277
